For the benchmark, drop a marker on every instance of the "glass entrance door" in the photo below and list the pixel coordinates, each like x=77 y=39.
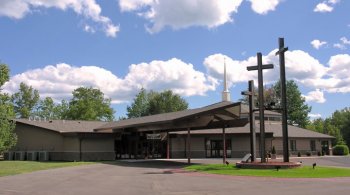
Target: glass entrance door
x=214 y=148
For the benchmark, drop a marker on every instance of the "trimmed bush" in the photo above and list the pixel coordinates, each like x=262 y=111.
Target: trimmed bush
x=273 y=151
x=341 y=150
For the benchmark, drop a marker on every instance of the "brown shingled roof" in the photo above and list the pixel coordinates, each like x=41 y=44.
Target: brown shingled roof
x=168 y=117
x=63 y=126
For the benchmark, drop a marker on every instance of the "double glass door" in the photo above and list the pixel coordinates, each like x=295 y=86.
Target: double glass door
x=215 y=149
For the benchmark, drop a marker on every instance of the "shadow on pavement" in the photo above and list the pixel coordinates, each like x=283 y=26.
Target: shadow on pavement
x=159 y=164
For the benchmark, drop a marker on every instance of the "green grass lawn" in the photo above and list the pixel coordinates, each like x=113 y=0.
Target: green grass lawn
x=18 y=167
x=301 y=172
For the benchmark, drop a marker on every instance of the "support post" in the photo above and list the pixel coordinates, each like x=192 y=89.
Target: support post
x=224 y=146
x=188 y=146
x=281 y=52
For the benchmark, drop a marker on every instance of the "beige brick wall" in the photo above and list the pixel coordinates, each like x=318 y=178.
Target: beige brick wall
x=302 y=145
x=97 y=144
x=37 y=139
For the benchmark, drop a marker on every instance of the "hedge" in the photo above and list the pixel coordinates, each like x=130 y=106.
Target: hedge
x=341 y=150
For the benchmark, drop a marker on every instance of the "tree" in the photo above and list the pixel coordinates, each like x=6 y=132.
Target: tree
x=150 y=103
x=316 y=125
x=341 y=120
x=166 y=101
x=62 y=110
x=25 y=100
x=140 y=106
x=4 y=74
x=89 y=104
x=48 y=109
x=8 y=138
x=297 y=109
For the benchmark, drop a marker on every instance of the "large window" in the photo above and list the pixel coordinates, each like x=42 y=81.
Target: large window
x=293 y=145
x=312 y=145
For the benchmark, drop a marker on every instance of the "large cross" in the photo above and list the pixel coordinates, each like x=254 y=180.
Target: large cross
x=260 y=68
x=281 y=52
x=251 y=93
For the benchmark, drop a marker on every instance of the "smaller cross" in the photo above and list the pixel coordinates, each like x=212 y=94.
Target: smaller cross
x=251 y=93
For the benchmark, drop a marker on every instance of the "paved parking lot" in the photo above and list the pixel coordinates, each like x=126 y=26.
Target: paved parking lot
x=167 y=177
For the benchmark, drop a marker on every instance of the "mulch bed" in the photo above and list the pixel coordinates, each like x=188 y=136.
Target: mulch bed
x=267 y=165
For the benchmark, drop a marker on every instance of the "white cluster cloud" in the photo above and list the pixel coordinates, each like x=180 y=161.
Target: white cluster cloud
x=181 y=14
x=342 y=44
x=315 y=96
x=60 y=80
x=264 y=6
x=89 y=9
x=299 y=65
x=318 y=115
x=317 y=44
x=326 y=6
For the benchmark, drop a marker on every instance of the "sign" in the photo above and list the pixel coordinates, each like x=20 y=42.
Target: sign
x=153 y=136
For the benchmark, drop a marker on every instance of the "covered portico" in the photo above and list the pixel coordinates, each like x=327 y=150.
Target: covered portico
x=220 y=115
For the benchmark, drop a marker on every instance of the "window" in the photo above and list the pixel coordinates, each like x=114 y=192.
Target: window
x=312 y=145
x=293 y=145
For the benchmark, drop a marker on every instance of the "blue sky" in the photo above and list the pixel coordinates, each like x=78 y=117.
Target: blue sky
x=121 y=46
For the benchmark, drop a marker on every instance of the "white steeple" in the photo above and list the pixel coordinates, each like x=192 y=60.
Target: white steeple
x=225 y=94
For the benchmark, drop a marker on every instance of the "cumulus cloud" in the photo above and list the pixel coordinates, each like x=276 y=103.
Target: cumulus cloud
x=315 y=96
x=182 y=13
x=299 y=66
x=342 y=44
x=337 y=77
x=318 y=115
x=326 y=6
x=264 y=6
x=339 y=46
x=317 y=44
x=323 y=7
x=89 y=9
x=58 y=81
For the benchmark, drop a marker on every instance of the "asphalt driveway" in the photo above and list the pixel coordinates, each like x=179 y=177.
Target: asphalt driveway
x=166 y=177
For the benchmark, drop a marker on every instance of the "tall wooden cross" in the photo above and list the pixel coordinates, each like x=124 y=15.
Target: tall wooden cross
x=281 y=52
x=260 y=68
x=251 y=93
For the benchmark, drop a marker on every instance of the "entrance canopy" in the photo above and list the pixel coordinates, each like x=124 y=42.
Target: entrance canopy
x=219 y=115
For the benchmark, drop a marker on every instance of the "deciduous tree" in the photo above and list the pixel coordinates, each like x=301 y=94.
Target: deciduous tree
x=90 y=104
x=25 y=100
x=150 y=103
x=7 y=137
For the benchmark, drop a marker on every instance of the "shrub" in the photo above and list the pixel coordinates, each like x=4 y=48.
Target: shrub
x=273 y=151
x=308 y=153
x=299 y=154
x=318 y=153
x=341 y=150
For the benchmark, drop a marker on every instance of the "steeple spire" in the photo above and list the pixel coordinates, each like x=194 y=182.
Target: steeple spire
x=225 y=94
